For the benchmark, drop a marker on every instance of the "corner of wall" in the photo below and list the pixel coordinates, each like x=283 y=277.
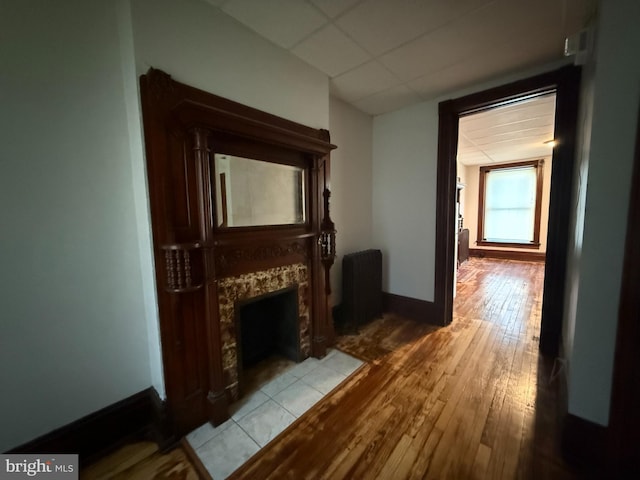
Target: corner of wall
x=351 y=183
x=140 y=193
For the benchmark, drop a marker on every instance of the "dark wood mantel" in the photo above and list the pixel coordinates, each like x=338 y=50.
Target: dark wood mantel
x=183 y=128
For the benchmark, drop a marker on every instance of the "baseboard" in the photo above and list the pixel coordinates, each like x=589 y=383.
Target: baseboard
x=508 y=254
x=584 y=443
x=408 y=307
x=140 y=416
x=161 y=430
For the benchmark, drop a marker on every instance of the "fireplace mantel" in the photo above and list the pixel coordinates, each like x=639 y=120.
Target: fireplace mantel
x=202 y=265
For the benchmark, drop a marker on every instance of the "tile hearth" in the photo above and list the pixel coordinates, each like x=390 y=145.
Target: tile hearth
x=278 y=393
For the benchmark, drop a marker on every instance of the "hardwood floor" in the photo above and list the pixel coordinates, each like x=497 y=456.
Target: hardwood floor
x=471 y=400
x=142 y=460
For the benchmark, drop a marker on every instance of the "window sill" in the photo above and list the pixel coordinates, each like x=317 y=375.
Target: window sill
x=485 y=243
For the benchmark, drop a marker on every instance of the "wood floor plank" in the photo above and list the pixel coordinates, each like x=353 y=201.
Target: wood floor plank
x=481 y=462
x=120 y=460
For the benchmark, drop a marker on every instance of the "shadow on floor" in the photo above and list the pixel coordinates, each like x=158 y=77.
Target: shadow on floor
x=382 y=336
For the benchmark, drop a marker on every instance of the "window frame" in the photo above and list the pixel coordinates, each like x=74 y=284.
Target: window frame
x=484 y=170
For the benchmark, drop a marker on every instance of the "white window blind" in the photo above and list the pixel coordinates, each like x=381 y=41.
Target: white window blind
x=510 y=202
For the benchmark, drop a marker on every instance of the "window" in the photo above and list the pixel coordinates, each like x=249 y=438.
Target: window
x=510 y=204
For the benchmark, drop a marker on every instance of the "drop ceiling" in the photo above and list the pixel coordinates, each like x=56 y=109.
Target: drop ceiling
x=512 y=132
x=381 y=55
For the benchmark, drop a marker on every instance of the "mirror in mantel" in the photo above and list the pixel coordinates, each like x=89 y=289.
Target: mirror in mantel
x=252 y=193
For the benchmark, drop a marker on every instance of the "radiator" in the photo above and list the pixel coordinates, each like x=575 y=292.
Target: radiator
x=361 y=288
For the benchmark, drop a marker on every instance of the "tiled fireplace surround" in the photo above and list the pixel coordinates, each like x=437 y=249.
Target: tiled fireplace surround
x=232 y=290
x=277 y=395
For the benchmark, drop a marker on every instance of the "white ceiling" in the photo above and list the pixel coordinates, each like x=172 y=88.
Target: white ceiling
x=512 y=132
x=382 y=55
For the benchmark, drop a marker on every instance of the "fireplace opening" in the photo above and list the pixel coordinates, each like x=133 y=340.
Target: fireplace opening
x=268 y=326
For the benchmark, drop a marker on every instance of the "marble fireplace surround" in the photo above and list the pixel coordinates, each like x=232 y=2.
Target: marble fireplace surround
x=232 y=290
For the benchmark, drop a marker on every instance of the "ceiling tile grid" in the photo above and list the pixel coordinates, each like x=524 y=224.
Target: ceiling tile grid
x=363 y=81
x=284 y=22
x=383 y=55
x=331 y=51
x=333 y=8
x=512 y=132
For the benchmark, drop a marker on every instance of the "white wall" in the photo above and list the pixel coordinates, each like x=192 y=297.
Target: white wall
x=472 y=196
x=405 y=148
x=199 y=45
x=351 y=184
x=79 y=326
x=578 y=204
x=612 y=143
x=74 y=335
x=404 y=196
x=140 y=193
x=462 y=174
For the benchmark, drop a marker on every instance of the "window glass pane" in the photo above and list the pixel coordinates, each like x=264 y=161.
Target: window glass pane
x=510 y=200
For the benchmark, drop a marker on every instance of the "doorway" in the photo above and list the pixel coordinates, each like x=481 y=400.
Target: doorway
x=564 y=82
x=503 y=175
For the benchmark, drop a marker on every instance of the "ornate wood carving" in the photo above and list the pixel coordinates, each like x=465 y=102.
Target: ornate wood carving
x=160 y=83
x=327 y=241
x=179 y=268
x=217 y=401
x=231 y=259
x=196 y=260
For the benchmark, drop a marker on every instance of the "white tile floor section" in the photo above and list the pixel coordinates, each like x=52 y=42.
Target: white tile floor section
x=259 y=417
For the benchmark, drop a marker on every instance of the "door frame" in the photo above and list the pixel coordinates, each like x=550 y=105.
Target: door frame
x=565 y=82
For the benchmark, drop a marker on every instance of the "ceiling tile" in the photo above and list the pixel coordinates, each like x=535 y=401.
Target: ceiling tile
x=381 y=25
x=458 y=41
x=331 y=51
x=485 y=65
x=432 y=47
x=463 y=141
x=480 y=129
x=539 y=135
x=474 y=158
x=284 y=22
x=333 y=8
x=362 y=81
x=506 y=134
x=388 y=100
x=577 y=15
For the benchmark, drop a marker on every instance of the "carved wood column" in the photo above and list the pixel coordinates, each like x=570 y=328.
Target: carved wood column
x=324 y=257
x=327 y=248
x=217 y=398
x=318 y=334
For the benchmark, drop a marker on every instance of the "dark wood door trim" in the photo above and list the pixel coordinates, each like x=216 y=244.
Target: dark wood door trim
x=565 y=82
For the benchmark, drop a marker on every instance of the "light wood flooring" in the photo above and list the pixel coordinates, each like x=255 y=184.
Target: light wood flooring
x=471 y=400
x=142 y=460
